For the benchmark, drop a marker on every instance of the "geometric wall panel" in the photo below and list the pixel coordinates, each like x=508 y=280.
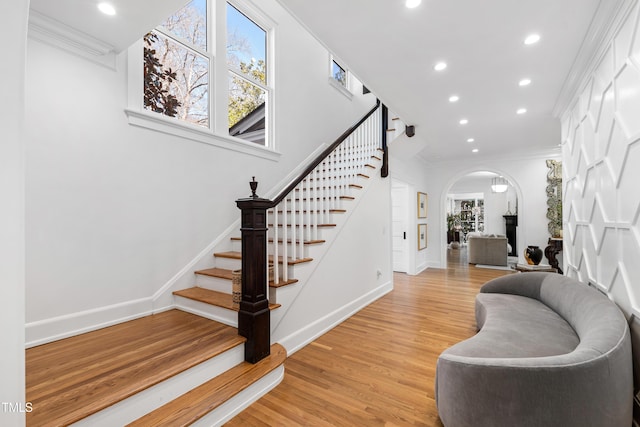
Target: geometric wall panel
x=607 y=269
x=606 y=191
x=602 y=170
x=589 y=140
x=628 y=185
x=635 y=46
x=618 y=292
x=605 y=121
x=622 y=42
x=616 y=150
x=628 y=99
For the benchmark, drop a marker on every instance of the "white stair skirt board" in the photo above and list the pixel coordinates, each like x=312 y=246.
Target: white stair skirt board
x=495 y=267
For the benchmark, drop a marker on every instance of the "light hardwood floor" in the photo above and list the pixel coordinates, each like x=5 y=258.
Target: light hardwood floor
x=378 y=367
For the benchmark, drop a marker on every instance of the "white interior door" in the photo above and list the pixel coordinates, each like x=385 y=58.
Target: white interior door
x=400 y=231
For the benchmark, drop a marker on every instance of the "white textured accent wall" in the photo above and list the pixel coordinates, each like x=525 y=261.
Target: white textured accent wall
x=601 y=171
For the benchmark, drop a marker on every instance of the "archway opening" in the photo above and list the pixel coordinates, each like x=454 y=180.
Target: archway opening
x=481 y=203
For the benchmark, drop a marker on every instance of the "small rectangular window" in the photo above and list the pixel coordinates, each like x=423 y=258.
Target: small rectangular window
x=338 y=73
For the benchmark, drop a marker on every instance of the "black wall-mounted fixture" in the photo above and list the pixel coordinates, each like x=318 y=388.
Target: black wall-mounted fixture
x=410 y=131
x=365 y=90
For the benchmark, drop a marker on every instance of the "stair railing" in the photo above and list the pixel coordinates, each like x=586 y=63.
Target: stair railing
x=294 y=217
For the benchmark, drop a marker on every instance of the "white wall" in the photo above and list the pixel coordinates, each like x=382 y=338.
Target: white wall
x=414 y=174
x=529 y=179
x=354 y=270
x=114 y=211
x=12 y=240
x=601 y=169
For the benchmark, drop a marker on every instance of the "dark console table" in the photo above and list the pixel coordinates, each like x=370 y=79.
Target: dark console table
x=552 y=250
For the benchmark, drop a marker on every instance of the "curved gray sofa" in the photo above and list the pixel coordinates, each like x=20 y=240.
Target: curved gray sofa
x=550 y=351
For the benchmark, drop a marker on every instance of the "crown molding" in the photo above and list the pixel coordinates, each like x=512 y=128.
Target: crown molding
x=605 y=24
x=57 y=34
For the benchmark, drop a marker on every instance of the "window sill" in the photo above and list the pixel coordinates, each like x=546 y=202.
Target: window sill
x=343 y=90
x=174 y=127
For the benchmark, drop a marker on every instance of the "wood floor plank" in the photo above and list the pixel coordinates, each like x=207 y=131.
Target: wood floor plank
x=378 y=367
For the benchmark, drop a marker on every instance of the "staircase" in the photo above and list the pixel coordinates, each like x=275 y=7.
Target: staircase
x=188 y=365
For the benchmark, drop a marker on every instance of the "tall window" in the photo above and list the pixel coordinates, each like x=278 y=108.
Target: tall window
x=176 y=66
x=180 y=66
x=247 y=65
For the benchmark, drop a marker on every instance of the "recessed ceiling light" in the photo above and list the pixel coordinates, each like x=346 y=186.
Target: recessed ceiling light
x=524 y=82
x=454 y=98
x=521 y=110
x=412 y=3
x=107 y=9
x=440 y=66
x=470 y=140
x=532 y=38
x=475 y=150
x=464 y=121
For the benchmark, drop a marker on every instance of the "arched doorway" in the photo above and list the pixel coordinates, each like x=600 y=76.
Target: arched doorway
x=480 y=202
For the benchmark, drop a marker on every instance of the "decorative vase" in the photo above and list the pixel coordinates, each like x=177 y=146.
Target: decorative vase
x=533 y=255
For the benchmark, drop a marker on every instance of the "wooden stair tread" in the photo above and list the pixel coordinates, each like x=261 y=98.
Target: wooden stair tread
x=238 y=255
x=305 y=211
x=207 y=296
x=198 y=402
x=306 y=242
x=228 y=275
x=70 y=379
x=221 y=273
x=297 y=199
x=306 y=225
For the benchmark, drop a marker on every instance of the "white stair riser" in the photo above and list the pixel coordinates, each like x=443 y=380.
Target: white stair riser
x=228 y=263
x=208 y=311
x=217 y=284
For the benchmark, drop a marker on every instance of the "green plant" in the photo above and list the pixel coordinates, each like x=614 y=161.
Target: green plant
x=453 y=221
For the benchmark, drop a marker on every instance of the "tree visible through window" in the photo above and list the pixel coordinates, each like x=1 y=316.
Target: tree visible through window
x=178 y=61
x=247 y=63
x=176 y=66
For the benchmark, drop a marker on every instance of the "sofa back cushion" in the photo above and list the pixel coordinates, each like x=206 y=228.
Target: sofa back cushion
x=516 y=326
x=598 y=322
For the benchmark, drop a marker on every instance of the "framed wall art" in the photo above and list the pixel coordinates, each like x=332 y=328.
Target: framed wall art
x=422 y=205
x=422 y=236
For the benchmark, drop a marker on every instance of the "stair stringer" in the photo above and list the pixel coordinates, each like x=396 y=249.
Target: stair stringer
x=342 y=279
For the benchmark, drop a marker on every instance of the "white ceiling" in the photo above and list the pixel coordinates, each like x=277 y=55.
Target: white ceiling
x=393 y=49
x=133 y=19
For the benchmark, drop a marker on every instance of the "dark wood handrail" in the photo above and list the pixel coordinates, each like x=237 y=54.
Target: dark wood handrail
x=312 y=165
x=253 y=315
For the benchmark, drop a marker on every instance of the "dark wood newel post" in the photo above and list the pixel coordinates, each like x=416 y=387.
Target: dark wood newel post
x=254 y=317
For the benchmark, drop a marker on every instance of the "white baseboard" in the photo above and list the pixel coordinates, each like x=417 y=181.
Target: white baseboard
x=304 y=336
x=56 y=328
